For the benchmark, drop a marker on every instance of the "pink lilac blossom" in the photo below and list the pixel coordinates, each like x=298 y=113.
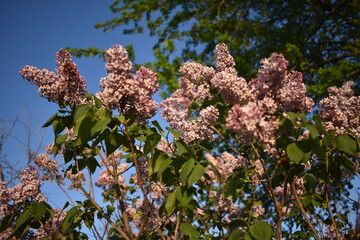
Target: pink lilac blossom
x=196 y=72
x=122 y=90
x=142 y=170
x=165 y=146
x=224 y=165
x=193 y=91
x=258 y=210
x=77 y=179
x=68 y=85
x=106 y=176
x=286 y=88
x=175 y=111
x=232 y=88
x=340 y=111
x=200 y=129
x=224 y=61
x=28 y=188
x=138 y=210
x=330 y=233
x=49 y=167
x=250 y=122
x=225 y=206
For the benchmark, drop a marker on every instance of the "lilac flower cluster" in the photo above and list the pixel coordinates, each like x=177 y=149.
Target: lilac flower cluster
x=225 y=207
x=67 y=85
x=224 y=165
x=254 y=104
x=50 y=168
x=194 y=88
x=106 y=176
x=122 y=90
x=340 y=111
x=275 y=90
x=76 y=179
x=28 y=188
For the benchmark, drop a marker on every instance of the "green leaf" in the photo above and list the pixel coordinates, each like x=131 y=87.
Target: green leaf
x=181 y=148
x=151 y=142
x=189 y=230
x=310 y=182
x=295 y=153
x=157 y=125
x=6 y=222
x=317 y=149
x=347 y=144
x=113 y=142
x=235 y=235
x=196 y=174
x=163 y=166
x=71 y=219
x=60 y=139
x=99 y=126
x=313 y=131
x=319 y=124
x=170 y=203
x=175 y=133
x=21 y=222
x=38 y=210
x=261 y=231
x=50 y=121
x=186 y=169
x=184 y=195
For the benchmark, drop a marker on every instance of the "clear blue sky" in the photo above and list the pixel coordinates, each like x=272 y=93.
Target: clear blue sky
x=31 y=33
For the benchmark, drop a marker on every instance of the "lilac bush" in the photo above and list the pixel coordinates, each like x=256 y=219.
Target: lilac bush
x=240 y=160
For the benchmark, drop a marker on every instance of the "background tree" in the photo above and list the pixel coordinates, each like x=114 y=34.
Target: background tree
x=319 y=38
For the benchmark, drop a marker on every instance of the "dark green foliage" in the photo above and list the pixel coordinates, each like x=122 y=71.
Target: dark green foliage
x=321 y=39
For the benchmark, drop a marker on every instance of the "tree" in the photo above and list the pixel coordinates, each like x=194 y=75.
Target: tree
x=319 y=38
x=240 y=160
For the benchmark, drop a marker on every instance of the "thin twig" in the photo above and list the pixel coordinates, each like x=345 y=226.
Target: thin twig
x=121 y=232
x=303 y=211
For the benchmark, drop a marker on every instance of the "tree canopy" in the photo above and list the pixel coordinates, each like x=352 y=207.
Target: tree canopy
x=321 y=39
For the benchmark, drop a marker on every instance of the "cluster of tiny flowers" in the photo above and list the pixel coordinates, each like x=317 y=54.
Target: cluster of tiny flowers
x=122 y=90
x=201 y=127
x=165 y=146
x=274 y=90
x=106 y=176
x=50 y=168
x=225 y=206
x=284 y=87
x=251 y=122
x=330 y=233
x=77 y=179
x=224 y=166
x=175 y=110
x=340 y=111
x=67 y=85
x=259 y=171
x=258 y=210
x=28 y=188
x=254 y=104
x=138 y=211
x=51 y=228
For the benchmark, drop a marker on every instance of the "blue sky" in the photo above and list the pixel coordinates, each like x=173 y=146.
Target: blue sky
x=31 y=33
